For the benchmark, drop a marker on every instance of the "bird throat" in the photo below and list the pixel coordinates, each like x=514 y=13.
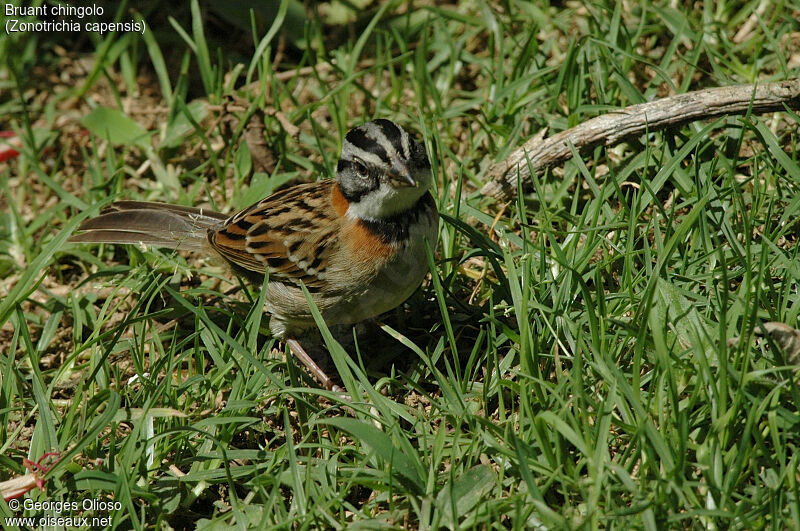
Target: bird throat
x=385 y=201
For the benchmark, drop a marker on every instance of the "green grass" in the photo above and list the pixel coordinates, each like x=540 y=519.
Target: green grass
x=570 y=362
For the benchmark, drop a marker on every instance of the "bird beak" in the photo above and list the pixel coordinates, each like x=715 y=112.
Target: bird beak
x=403 y=179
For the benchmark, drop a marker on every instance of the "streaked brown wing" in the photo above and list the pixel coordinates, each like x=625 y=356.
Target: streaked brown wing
x=292 y=233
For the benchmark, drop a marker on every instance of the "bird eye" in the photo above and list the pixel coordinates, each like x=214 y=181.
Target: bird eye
x=360 y=168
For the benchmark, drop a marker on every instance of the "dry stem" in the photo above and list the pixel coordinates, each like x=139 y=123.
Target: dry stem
x=632 y=121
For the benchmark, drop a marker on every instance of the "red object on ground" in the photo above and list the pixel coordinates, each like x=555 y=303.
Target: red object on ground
x=7 y=150
x=16 y=487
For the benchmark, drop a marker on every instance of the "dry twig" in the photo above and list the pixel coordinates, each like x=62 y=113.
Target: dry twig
x=632 y=121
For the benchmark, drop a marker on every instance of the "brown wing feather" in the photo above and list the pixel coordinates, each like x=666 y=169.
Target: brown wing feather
x=290 y=232
x=158 y=224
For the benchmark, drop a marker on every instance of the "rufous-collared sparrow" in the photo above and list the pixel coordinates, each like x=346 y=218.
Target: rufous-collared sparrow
x=357 y=242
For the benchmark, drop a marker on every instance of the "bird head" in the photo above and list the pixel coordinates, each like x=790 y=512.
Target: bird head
x=382 y=171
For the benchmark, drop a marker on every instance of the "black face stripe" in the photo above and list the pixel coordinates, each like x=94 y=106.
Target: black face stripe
x=419 y=156
x=358 y=137
x=353 y=195
x=349 y=165
x=354 y=189
x=393 y=134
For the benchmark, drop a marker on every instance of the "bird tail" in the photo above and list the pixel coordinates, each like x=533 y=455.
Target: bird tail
x=157 y=224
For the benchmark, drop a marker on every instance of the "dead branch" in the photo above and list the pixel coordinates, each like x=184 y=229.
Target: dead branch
x=632 y=121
